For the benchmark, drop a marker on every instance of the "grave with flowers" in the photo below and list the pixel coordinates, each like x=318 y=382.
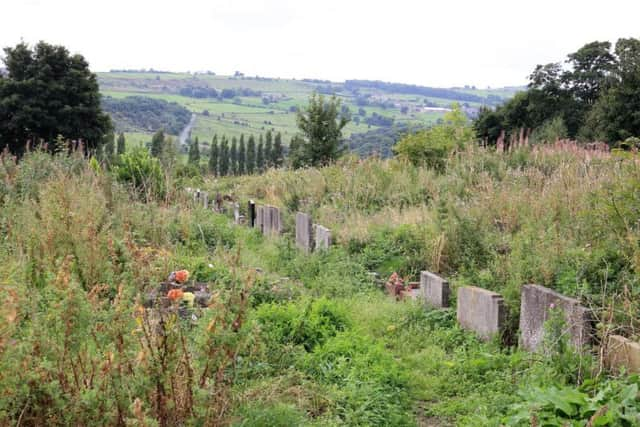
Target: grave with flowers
x=179 y=294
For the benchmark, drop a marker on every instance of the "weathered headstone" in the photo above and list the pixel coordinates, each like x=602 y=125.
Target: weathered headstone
x=251 y=211
x=236 y=213
x=536 y=303
x=205 y=200
x=218 y=203
x=196 y=196
x=304 y=232
x=481 y=311
x=623 y=353
x=434 y=289
x=260 y=218
x=266 y=220
x=276 y=221
x=322 y=237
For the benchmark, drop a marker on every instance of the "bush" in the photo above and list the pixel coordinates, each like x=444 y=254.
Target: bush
x=142 y=172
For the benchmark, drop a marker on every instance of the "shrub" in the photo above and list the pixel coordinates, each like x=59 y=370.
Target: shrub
x=142 y=171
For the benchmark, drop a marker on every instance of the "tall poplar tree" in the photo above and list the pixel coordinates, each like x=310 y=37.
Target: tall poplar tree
x=121 y=148
x=213 y=156
x=194 y=152
x=278 y=151
x=157 y=144
x=268 y=150
x=260 y=156
x=224 y=157
x=251 y=155
x=242 y=156
x=233 y=156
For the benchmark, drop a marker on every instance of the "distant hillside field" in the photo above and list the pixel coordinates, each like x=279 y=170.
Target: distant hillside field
x=235 y=105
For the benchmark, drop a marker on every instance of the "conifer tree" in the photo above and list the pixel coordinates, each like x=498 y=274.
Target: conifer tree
x=194 y=153
x=121 y=144
x=233 y=156
x=157 y=143
x=109 y=148
x=260 y=156
x=213 y=156
x=251 y=155
x=242 y=156
x=169 y=153
x=268 y=150
x=224 y=157
x=278 y=151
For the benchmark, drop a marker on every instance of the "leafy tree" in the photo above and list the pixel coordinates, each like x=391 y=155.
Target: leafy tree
x=251 y=155
x=224 y=157
x=242 y=156
x=213 y=156
x=260 y=156
x=431 y=147
x=278 y=151
x=121 y=145
x=233 y=156
x=321 y=127
x=268 y=150
x=194 y=152
x=169 y=153
x=157 y=144
x=47 y=93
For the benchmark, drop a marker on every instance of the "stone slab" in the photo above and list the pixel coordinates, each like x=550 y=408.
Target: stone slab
x=276 y=221
x=322 y=237
x=260 y=218
x=304 y=232
x=435 y=290
x=205 y=200
x=481 y=311
x=623 y=353
x=251 y=212
x=536 y=303
x=236 y=213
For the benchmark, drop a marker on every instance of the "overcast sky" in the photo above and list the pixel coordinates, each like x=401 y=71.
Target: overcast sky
x=436 y=43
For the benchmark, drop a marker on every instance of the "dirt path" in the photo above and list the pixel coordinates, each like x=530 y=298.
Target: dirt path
x=184 y=135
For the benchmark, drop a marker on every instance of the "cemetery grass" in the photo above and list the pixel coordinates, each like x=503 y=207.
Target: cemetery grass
x=296 y=339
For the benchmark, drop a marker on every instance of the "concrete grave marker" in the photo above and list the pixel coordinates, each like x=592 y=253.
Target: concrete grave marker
x=260 y=218
x=205 y=200
x=481 y=311
x=623 y=353
x=236 y=213
x=322 y=237
x=304 y=232
x=434 y=289
x=536 y=303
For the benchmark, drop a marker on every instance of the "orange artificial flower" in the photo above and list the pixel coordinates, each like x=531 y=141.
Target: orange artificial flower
x=175 y=294
x=182 y=276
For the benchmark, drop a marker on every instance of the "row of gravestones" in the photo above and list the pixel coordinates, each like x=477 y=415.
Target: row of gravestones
x=484 y=313
x=478 y=310
x=268 y=219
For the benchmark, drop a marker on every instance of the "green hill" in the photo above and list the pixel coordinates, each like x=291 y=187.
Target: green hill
x=233 y=105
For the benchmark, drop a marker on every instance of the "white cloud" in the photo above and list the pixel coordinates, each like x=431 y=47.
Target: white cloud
x=433 y=43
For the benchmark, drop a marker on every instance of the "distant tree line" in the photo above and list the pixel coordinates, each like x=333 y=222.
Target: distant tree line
x=209 y=92
x=240 y=156
x=379 y=141
x=141 y=112
x=596 y=98
x=356 y=85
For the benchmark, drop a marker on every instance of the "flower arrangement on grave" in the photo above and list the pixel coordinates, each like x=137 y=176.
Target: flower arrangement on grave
x=175 y=295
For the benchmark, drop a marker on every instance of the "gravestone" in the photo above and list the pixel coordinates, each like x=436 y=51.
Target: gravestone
x=304 y=232
x=434 y=289
x=322 y=237
x=196 y=196
x=272 y=221
x=266 y=220
x=536 y=303
x=251 y=211
x=481 y=311
x=623 y=353
x=205 y=200
x=236 y=213
x=260 y=218
x=218 y=203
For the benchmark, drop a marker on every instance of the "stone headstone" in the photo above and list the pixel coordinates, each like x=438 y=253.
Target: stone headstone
x=236 y=213
x=260 y=218
x=536 y=303
x=623 y=353
x=196 y=196
x=434 y=289
x=304 y=232
x=481 y=311
x=205 y=200
x=322 y=237
x=219 y=201
x=251 y=211
x=266 y=220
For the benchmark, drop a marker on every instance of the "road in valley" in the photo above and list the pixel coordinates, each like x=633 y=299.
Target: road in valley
x=184 y=135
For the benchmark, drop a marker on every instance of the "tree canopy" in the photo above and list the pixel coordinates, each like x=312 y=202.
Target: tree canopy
x=47 y=93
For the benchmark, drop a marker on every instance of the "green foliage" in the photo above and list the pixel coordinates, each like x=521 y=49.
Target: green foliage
x=550 y=131
x=431 y=147
x=214 y=156
x=141 y=113
x=121 y=145
x=142 y=171
x=49 y=92
x=321 y=125
x=194 y=152
x=157 y=144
